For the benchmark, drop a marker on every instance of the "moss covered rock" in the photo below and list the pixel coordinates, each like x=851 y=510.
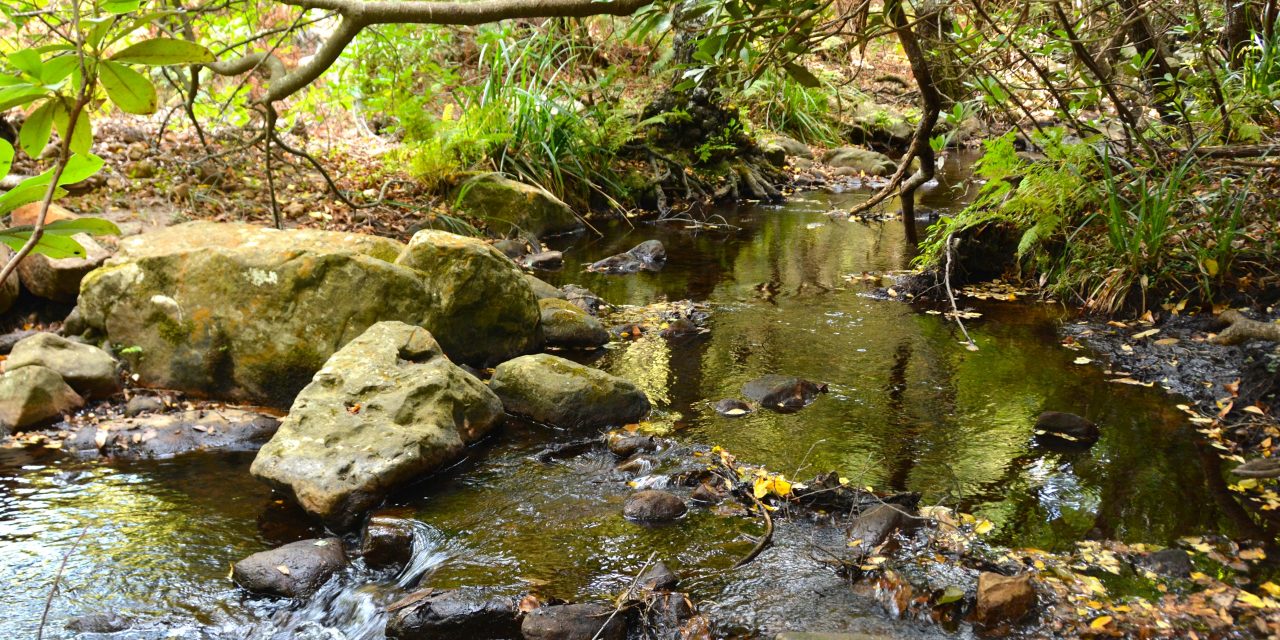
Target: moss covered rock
x=555 y=391
x=872 y=163
x=385 y=409
x=88 y=369
x=482 y=309
x=242 y=312
x=509 y=208
x=565 y=325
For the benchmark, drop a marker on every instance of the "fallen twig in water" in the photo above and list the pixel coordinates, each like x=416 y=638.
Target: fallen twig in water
x=955 y=312
x=621 y=602
x=764 y=539
x=53 y=589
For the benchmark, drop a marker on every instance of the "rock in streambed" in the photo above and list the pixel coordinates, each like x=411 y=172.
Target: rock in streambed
x=559 y=392
x=294 y=570
x=385 y=409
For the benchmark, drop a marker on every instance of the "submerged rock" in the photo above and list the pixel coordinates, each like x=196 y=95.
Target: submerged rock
x=386 y=409
x=559 y=392
x=88 y=369
x=1069 y=427
x=470 y=614
x=783 y=393
x=59 y=279
x=1004 y=599
x=108 y=622
x=649 y=255
x=653 y=505
x=295 y=570
x=508 y=206
x=566 y=325
x=167 y=435
x=34 y=396
x=658 y=577
x=574 y=622
x=625 y=446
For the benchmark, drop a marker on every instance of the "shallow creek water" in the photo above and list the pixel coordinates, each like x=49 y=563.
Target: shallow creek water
x=909 y=408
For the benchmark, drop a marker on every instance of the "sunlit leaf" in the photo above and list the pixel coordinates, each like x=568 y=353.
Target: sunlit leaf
x=127 y=89
x=164 y=51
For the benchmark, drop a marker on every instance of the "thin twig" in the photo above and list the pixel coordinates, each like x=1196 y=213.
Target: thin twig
x=955 y=312
x=620 y=603
x=764 y=539
x=53 y=589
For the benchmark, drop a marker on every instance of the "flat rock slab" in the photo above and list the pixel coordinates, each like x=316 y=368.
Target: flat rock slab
x=168 y=435
x=294 y=570
x=386 y=409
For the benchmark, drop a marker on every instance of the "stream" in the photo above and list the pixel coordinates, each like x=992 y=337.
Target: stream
x=909 y=408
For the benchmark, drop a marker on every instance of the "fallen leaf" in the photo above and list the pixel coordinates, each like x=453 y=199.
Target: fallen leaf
x=1082 y=360
x=1100 y=622
x=282 y=569
x=1145 y=334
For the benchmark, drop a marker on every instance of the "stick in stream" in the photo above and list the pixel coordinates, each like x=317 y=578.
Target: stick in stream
x=620 y=603
x=764 y=539
x=955 y=311
x=53 y=588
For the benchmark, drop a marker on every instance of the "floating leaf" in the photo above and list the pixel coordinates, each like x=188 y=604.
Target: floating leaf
x=1082 y=360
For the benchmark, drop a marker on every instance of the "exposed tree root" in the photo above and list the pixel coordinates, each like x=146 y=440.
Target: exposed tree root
x=1241 y=329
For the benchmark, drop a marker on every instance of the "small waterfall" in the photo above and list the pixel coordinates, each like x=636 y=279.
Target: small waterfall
x=352 y=605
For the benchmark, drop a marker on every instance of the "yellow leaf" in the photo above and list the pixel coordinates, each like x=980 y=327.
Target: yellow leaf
x=1271 y=588
x=1100 y=622
x=1253 y=408
x=1253 y=554
x=761 y=487
x=1248 y=483
x=1211 y=266
x=781 y=487
x=1251 y=600
x=282 y=569
x=984 y=527
x=1082 y=360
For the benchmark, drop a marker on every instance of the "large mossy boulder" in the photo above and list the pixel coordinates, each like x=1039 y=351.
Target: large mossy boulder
x=563 y=393
x=385 y=409
x=248 y=313
x=483 y=310
x=508 y=207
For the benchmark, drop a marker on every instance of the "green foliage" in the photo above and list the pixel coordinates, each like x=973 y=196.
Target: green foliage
x=59 y=81
x=782 y=104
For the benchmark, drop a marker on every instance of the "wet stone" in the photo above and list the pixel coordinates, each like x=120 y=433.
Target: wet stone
x=1068 y=427
x=469 y=614
x=654 y=505
x=658 y=577
x=574 y=622
x=874 y=526
x=99 y=623
x=783 y=393
x=1003 y=599
x=543 y=261
x=732 y=408
x=1174 y=563
x=706 y=494
x=649 y=255
x=584 y=299
x=294 y=570
x=627 y=446
x=387 y=543
x=139 y=405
